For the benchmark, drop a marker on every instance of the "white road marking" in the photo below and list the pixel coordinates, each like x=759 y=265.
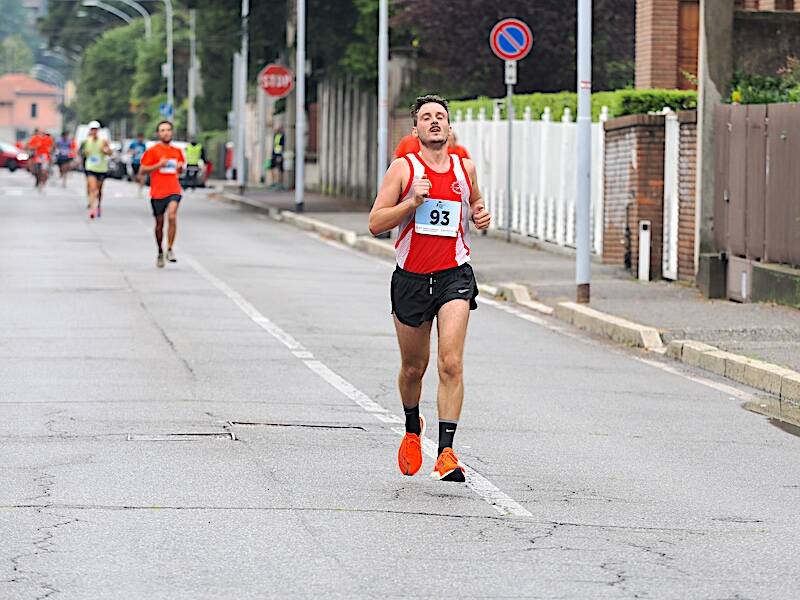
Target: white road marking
x=14 y=192
x=485 y=489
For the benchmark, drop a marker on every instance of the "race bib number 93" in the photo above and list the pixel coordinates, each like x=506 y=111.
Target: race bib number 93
x=438 y=217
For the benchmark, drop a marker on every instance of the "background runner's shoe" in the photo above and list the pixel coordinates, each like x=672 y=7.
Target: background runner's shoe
x=171 y=256
x=160 y=262
x=409 y=456
x=448 y=468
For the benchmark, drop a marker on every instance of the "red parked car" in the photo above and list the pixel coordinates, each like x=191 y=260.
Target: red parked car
x=11 y=157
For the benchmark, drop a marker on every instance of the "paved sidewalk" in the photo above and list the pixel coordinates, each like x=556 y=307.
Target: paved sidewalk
x=766 y=332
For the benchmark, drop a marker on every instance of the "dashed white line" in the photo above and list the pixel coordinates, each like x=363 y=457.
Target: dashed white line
x=485 y=489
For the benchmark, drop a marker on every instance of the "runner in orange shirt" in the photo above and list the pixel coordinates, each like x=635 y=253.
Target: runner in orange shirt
x=164 y=162
x=410 y=144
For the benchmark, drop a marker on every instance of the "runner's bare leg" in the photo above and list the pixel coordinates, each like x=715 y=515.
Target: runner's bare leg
x=451 y=323
x=415 y=351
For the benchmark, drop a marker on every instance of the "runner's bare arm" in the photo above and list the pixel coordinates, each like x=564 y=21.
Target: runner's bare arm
x=387 y=213
x=107 y=149
x=480 y=216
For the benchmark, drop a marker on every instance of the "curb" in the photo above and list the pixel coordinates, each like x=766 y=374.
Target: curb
x=773 y=379
x=618 y=329
x=325 y=229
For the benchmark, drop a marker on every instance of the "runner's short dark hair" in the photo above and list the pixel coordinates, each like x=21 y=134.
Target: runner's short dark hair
x=419 y=102
x=160 y=123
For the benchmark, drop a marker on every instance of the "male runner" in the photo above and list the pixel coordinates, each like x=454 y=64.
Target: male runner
x=431 y=196
x=95 y=152
x=39 y=147
x=137 y=148
x=164 y=162
x=65 y=153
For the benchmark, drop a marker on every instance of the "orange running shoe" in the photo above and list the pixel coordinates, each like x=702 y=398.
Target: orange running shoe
x=409 y=456
x=448 y=468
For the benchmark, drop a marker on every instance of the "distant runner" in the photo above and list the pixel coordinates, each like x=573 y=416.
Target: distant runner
x=431 y=196
x=164 y=163
x=40 y=148
x=137 y=148
x=95 y=152
x=65 y=155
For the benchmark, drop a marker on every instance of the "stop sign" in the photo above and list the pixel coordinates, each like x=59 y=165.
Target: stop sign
x=276 y=81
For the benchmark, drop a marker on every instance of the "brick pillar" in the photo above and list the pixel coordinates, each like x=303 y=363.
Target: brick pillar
x=687 y=181
x=657 y=32
x=634 y=188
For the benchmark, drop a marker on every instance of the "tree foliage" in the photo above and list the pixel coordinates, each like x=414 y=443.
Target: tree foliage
x=455 y=58
x=107 y=74
x=15 y=55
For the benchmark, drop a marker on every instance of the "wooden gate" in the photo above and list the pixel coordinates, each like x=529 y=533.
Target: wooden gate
x=757 y=200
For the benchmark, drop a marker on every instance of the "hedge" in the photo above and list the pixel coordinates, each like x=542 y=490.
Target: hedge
x=619 y=103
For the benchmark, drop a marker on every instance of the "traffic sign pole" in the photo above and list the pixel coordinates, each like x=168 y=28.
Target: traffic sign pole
x=510 y=81
x=300 y=102
x=510 y=40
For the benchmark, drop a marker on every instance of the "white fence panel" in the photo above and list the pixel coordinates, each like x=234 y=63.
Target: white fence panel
x=544 y=185
x=669 y=266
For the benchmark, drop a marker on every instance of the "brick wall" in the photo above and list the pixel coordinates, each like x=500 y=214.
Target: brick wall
x=634 y=187
x=687 y=178
x=657 y=40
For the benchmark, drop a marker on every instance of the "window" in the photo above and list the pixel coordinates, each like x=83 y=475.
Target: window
x=33 y=110
x=784 y=4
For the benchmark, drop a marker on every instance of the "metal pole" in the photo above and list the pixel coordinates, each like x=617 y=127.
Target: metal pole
x=191 y=118
x=241 y=176
x=262 y=141
x=383 y=88
x=148 y=30
x=234 y=121
x=509 y=160
x=170 y=62
x=583 y=240
x=300 y=103
x=108 y=8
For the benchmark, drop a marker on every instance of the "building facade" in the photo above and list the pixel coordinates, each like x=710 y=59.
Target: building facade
x=27 y=103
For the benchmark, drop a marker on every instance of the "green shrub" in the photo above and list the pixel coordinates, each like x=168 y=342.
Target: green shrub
x=619 y=103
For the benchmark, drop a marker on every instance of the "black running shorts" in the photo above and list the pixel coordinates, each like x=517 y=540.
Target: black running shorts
x=160 y=205
x=417 y=298
x=99 y=176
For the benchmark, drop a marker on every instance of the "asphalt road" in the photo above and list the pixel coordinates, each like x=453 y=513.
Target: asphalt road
x=226 y=428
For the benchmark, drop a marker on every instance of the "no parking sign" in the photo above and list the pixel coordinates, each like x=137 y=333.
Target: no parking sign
x=510 y=40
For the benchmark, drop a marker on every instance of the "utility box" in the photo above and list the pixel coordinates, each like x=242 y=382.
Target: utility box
x=645 y=233
x=711 y=275
x=740 y=279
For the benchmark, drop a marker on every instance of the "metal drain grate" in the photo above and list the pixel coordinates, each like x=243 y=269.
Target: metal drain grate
x=181 y=437
x=305 y=425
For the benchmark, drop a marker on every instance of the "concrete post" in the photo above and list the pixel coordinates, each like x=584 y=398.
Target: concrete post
x=715 y=71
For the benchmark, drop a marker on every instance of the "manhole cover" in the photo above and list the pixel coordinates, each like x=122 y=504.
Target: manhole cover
x=305 y=425
x=181 y=437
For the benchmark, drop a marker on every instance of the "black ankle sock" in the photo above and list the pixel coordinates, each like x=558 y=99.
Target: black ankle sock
x=412 y=420
x=447 y=431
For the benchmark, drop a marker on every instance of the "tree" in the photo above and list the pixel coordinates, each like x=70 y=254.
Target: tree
x=455 y=58
x=107 y=73
x=15 y=55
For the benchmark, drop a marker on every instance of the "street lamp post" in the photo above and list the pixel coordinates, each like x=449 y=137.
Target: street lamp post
x=583 y=241
x=148 y=30
x=383 y=88
x=108 y=8
x=170 y=64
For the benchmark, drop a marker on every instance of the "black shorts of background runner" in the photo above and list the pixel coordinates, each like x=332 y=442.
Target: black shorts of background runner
x=417 y=298
x=135 y=168
x=160 y=205
x=63 y=160
x=277 y=162
x=99 y=176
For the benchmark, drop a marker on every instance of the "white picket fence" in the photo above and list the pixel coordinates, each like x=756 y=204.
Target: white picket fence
x=544 y=176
